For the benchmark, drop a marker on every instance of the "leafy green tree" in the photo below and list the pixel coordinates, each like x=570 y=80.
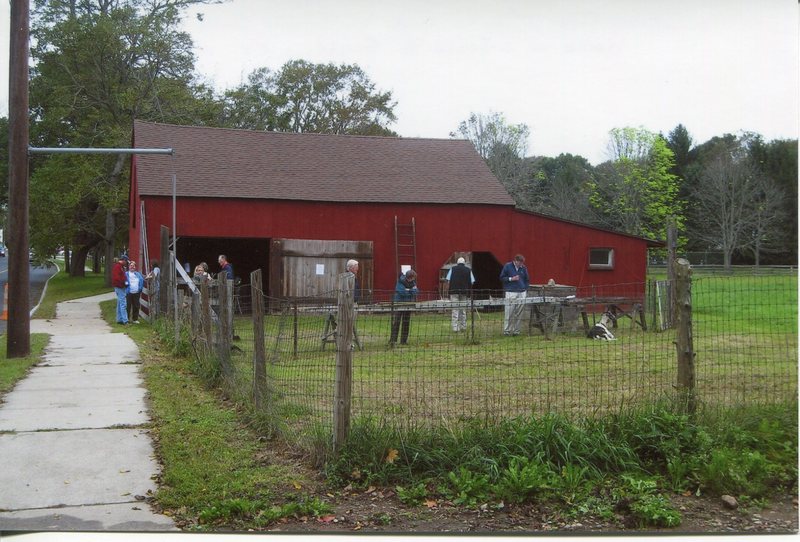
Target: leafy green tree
x=97 y=65
x=560 y=187
x=307 y=97
x=636 y=192
x=680 y=143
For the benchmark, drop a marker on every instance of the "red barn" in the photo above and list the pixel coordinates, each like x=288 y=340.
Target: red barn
x=290 y=203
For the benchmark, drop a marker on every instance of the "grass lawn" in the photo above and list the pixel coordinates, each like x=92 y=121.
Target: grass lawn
x=214 y=466
x=745 y=339
x=13 y=369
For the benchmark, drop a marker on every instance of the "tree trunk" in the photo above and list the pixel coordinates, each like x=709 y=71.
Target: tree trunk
x=109 y=244
x=727 y=255
x=78 y=263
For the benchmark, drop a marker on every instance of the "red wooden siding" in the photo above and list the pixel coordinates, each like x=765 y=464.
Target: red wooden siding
x=553 y=248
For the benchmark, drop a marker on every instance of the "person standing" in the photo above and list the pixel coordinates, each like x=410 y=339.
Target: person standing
x=405 y=291
x=154 y=276
x=201 y=274
x=119 y=280
x=133 y=298
x=225 y=266
x=352 y=267
x=515 y=279
x=459 y=287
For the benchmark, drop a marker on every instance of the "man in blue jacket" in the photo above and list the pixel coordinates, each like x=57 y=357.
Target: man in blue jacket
x=515 y=279
x=405 y=291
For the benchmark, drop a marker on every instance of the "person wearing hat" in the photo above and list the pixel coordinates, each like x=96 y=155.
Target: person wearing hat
x=119 y=280
x=459 y=287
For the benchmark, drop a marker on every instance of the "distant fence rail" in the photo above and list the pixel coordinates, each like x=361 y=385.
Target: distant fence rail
x=318 y=365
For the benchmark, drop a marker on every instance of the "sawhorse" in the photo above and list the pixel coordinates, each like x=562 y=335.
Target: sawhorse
x=329 y=333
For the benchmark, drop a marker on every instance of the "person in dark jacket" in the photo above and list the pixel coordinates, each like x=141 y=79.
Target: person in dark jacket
x=405 y=291
x=515 y=279
x=459 y=287
x=119 y=280
x=225 y=267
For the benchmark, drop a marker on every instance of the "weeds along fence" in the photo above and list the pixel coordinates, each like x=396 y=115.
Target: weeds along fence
x=313 y=366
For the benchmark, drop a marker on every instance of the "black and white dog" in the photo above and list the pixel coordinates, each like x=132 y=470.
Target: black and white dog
x=600 y=330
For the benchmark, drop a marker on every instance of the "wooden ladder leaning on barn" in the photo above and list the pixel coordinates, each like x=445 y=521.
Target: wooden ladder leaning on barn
x=405 y=244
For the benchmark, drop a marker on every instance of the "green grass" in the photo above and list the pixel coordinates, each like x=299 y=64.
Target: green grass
x=628 y=462
x=745 y=339
x=216 y=473
x=14 y=369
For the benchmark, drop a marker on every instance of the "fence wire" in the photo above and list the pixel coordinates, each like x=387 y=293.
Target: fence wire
x=744 y=331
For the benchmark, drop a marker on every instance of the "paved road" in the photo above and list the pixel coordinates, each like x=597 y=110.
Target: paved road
x=38 y=278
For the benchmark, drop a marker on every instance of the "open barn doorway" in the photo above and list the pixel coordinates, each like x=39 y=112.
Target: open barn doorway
x=485 y=268
x=246 y=255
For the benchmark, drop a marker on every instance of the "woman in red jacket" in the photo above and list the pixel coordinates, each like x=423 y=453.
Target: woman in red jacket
x=119 y=280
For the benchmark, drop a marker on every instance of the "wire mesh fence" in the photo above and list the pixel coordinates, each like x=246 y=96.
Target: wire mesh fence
x=418 y=363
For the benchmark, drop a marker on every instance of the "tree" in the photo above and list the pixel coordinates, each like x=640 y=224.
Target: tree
x=736 y=207
x=502 y=146
x=765 y=236
x=98 y=64
x=777 y=161
x=560 y=187
x=635 y=192
x=306 y=97
x=680 y=143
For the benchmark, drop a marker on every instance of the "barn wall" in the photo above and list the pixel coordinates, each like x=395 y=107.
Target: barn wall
x=554 y=249
x=560 y=250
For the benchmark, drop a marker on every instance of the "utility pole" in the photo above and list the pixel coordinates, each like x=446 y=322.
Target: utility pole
x=19 y=327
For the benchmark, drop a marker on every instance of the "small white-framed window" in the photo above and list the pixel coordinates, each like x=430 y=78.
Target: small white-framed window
x=601 y=258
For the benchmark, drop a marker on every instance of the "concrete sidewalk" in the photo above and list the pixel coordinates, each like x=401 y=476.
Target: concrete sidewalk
x=72 y=439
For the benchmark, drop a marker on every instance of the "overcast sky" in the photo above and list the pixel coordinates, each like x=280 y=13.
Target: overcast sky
x=571 y=70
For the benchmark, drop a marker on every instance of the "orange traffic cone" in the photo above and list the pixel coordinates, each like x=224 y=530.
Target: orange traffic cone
x=4 y=316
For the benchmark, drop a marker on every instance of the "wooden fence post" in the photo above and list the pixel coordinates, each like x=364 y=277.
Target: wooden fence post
x=196 y=314
x=259 y=353
x=684 y=342
x=205 y=317
x=344 y=361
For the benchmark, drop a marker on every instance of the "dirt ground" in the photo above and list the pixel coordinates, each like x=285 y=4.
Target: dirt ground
x=379 y=510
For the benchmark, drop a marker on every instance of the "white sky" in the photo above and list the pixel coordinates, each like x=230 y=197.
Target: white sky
x=571 y=70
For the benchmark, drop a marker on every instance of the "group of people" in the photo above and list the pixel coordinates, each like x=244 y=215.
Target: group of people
x=460 y=279
x=515 y=280
x=128 y=283
x=201 y=273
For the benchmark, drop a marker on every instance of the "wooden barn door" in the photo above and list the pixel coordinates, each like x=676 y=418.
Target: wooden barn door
x=310 y=267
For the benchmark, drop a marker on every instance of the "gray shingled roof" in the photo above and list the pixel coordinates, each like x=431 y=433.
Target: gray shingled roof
x=225 y=163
